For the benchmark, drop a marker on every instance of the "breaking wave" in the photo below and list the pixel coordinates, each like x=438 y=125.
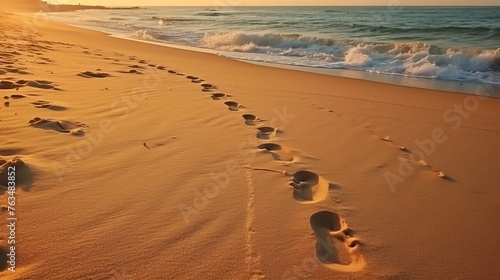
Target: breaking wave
x=408 y=58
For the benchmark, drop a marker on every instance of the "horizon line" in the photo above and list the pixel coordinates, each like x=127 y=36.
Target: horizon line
x=498 y=5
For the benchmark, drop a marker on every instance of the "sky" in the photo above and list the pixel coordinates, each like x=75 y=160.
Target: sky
x=221 y=3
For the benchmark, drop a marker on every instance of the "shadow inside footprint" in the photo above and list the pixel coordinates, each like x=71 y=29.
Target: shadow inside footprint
x=219 y=96
x=266 y=132
x=328 y=250
x=8 y=85
x=56 y=108
x=277 y=152
x=250 y=119
x=131 y=71
x=135 y=66
x=270 y=147
x=17 y=96
x=334 y=246
x=309 y=187
x=233 y=106
x=89 y=74
x=208 y=86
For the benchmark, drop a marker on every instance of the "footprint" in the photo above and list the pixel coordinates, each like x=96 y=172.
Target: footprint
x=131 y=71
x=251 y=119
x=335 y=247
x=309 y=187
x=74 y=128
x=17 y=96
x=192 y=77
x=46 y=59
x=21 y=168
x=12 y=69
x=208 y=87
x=219 y=96
x=135 y=66
x=444 y=176
x=266 y=132
x=387 y=138
x=233 y=106
x=40 y=84
x=278 y=152
x=159 y=67
x=89 y=74
x=156 y=144
x=41 y=104
x=46 y=105
x=8 y=85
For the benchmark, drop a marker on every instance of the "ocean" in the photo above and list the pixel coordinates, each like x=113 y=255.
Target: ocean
x=440 y=43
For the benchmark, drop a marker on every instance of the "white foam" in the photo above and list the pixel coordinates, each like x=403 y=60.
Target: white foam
x=358 y=57
x=144 y=34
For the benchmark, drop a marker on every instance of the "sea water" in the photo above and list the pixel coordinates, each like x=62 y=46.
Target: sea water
x=440 y=43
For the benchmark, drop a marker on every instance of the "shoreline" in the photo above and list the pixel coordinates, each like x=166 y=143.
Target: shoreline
x=459 y=87
x=454 y=86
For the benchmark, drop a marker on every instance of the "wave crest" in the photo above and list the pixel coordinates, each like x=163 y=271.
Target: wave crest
x=144 y=34
x=212 y=14
x=406 y=58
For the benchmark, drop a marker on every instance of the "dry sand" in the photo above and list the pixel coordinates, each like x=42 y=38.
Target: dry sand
x=129 y=169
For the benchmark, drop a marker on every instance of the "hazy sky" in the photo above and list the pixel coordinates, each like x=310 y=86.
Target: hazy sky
x=220 y=3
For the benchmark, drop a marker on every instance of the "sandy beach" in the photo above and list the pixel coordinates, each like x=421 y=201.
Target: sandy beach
x=139 y=161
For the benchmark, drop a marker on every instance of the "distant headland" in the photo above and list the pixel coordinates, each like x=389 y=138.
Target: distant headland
x=45 y=6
